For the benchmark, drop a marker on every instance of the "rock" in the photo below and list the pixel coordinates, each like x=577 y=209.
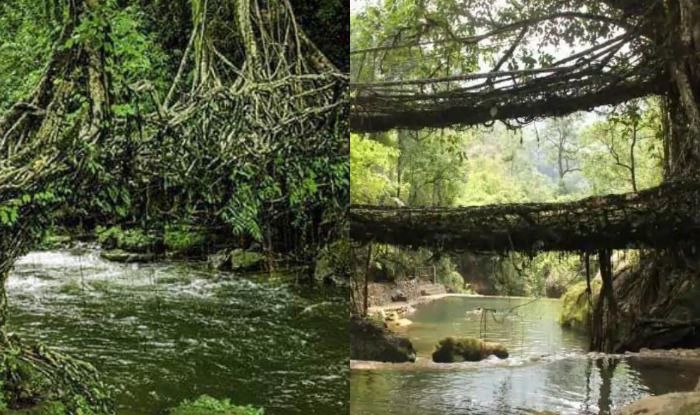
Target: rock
x=243 y=261
x=118 y=255
x=401 y=322
x=371 y=341
x=236 y=260
x=469 y=349
x=391 y=316
x=398 y=296
x=686 y=403
x=220 y=261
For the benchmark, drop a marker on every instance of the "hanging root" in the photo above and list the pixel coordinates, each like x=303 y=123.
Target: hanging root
x=33 y=375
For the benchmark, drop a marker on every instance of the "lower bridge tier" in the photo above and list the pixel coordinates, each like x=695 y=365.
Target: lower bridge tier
x=659 y=217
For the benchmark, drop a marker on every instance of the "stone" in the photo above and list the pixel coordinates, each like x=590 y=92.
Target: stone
x=450 y=350
x=246 y=261
x=684 y=403
x=118 y=255
x=220 y=261
x=371 y=341
x=398 y=296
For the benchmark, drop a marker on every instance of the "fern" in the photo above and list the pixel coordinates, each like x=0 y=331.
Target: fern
x=243 y=213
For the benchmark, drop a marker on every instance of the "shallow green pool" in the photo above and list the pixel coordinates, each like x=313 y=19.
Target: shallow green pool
x=549 y=368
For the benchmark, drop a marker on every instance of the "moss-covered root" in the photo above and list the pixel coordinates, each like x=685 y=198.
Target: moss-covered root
x=450 y=350
x=35 y=380
x=206 y=405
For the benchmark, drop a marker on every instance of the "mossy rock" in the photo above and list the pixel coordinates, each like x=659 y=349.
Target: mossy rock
x=576 y=310
x=450 y=350
x=246 y=260
x=370 y=340
x=206 y=405
x=119 y=255
x=131 y=240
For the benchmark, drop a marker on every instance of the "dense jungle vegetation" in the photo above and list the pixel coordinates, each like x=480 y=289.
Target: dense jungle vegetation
x=424 y=73
x=615 y=150
x=173 y=129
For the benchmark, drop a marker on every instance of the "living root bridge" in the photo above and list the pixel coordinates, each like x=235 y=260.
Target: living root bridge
x=660 y=217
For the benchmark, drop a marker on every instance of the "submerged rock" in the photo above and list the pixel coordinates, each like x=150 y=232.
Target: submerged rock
x=469 y=349
x=371 y=341
x=685 y=403
x=118 y=255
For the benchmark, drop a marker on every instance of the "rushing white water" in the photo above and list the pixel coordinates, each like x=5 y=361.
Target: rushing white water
x=164 y=332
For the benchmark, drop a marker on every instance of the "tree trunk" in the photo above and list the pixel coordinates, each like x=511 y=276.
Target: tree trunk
x=656 y=290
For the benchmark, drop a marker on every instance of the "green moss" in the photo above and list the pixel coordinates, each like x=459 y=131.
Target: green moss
x=245 y=260
x=131 y=240
x=184 y=239
x=469 y=349
x=576 y=310
x=206 y=405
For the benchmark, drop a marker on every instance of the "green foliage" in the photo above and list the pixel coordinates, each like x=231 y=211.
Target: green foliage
x=454 y=281
x=576 y=306
x=625 y=150
x=133 y=240
x=206 y=405
x=25 y=41
x=58 y=384
x=183 y=238
x=371 y=170
x=10 y=209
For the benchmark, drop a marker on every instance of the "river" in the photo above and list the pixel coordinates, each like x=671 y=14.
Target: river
x=548 y=368
x=169 y=331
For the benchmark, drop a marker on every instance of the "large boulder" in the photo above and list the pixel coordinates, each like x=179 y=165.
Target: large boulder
x=398 y=296
x=372 y=341
x=686 y=403
x=450 y=350
x=237 y=260
x=246 y=261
